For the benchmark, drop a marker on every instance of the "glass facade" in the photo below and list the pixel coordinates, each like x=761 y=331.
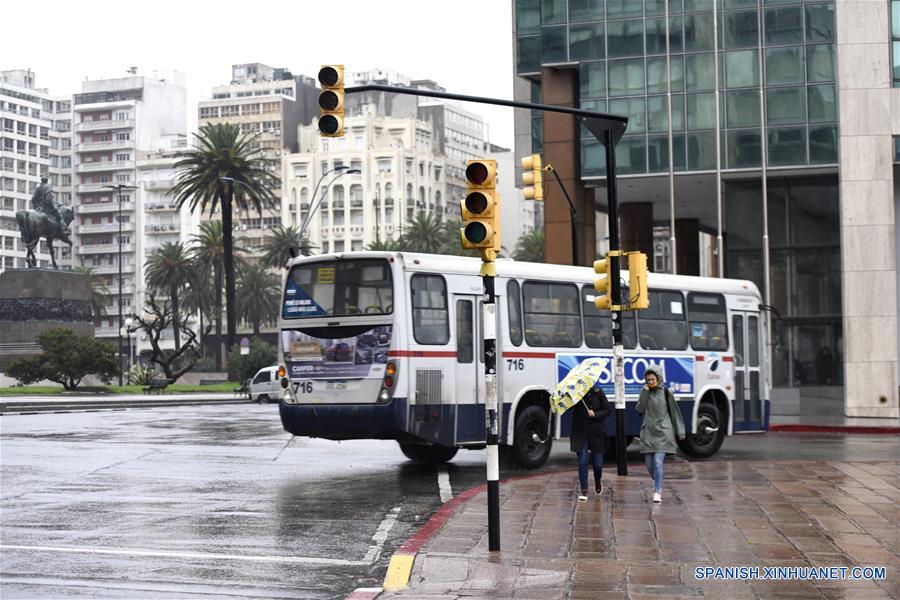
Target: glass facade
x=620 y=50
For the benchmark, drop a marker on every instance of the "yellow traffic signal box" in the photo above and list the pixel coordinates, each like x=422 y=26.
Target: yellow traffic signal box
x=481 y=208
x=331 y=101
x=533 y=178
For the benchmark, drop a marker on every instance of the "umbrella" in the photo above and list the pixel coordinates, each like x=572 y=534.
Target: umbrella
x=576 y=384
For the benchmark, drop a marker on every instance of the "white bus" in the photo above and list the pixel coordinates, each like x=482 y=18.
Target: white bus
x=388 y=345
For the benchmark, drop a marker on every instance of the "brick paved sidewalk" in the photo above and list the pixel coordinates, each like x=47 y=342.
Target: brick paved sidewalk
x=798 y=513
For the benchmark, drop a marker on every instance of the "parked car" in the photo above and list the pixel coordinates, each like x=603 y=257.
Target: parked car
x=265 y=387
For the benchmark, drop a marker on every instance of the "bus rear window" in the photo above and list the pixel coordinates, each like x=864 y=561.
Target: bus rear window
x=338 y=288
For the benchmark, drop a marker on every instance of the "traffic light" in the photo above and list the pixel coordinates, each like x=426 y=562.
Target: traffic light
x=481 y=208
x=637 y=281
x=331 y=101
x=533 y=177
x=603 y=299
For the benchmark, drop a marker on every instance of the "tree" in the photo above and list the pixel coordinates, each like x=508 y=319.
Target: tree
x=226 y=170
x=242 y=367
x=422 y=234
x=387 y=245
x=66 y=359
x=170 y=269
x=530 y=247
x=158 y=317
x=100 y=294
x=282 y=243
x=259 y=295
x=208 y=253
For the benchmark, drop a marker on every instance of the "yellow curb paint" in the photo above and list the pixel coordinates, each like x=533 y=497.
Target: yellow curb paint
x=398 y=572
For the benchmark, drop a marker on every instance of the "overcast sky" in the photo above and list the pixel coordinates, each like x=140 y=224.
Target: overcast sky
x=464 y=45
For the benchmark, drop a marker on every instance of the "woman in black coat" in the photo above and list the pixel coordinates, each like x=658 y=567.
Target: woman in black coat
x=588 y=439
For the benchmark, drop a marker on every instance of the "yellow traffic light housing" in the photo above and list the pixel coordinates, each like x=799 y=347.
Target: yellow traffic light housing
x=331 y=101
x=533 y=177
x=481 y=209
x=602 y=285
x=637 y=281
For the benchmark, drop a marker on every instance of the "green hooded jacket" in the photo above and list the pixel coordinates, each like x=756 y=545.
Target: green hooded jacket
x=658 y=431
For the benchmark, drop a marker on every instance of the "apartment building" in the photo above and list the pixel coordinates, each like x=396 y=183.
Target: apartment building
x=400 y=172
x=35 y=142
x=114 y=121
x=270 y=102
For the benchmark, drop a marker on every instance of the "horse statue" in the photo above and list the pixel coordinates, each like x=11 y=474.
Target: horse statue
x=36 y=224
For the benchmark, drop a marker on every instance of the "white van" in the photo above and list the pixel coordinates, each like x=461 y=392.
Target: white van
x=265 y=387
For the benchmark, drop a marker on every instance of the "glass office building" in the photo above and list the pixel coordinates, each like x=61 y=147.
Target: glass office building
x=778 y=91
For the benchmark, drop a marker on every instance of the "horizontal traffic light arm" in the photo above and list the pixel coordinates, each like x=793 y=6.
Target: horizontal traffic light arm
x=597 y=123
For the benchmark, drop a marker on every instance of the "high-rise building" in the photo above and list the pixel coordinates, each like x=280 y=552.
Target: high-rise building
x=35 y=142
x=400 y=173
x=115 y=120
x=270 y=102
x=772 y=181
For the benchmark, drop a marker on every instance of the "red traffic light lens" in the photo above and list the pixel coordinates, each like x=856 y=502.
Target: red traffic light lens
x=475 y=232
x=329 y=124
x=328 y=76
x=477 y=173
x=476 y=203
x=329 y=100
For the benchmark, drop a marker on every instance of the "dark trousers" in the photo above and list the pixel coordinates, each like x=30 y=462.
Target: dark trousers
x=585 y=457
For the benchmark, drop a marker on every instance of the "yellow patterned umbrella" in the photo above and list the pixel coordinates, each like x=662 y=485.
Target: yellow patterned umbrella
x=576 y=384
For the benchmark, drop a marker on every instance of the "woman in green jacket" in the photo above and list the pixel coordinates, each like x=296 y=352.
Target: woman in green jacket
x=662 y=424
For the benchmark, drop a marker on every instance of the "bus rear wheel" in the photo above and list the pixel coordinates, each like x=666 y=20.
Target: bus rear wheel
x=709 y=435
x=428 y=454
x=531 y=440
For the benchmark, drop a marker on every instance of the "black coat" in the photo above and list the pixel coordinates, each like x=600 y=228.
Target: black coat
x=586 y=430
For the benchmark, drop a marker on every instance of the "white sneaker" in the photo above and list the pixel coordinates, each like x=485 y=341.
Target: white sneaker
x=657 y=498
x=583 y=495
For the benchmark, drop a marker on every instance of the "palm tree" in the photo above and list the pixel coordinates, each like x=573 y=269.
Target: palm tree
x=258 y=297
x=530 y=247
x=225 y=170
x=199 y=298
x=170 y=269
x=100 y=294
x=387 y=245
x=422 y=233
x=208 y=253
x=282 y=243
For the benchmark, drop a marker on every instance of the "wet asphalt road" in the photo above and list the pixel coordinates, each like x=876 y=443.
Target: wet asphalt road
x=218 y=501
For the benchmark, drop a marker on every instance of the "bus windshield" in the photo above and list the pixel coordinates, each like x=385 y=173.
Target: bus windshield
x=338 y=288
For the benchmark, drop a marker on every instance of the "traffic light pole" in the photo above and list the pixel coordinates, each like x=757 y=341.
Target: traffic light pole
x=491 y=412
x=615 y=287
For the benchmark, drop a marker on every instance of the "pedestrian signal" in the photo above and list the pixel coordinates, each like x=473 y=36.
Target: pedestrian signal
x=331 y=101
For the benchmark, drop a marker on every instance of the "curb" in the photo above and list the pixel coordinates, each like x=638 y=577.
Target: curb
x=863 y=429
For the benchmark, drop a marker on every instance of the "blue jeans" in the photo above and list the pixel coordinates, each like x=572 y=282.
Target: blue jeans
x=655 y=467
x=584 y=457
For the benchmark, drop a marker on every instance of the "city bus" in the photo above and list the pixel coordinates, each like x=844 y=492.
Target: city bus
x=388 y=345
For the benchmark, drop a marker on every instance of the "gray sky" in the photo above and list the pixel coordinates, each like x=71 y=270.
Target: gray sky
x=65 y=42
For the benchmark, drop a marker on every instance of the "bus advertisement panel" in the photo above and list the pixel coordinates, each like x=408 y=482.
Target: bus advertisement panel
x=677 y=371
x=364 y=355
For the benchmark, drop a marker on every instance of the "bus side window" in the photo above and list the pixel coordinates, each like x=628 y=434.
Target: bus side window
x=431 y=316
x=552 y=317
x=598 y=324
x=662 y=326
x=464 y=331
x=514 y=310
x=708 y=321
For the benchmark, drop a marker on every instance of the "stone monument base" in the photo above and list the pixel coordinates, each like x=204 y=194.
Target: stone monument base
x=35 y=300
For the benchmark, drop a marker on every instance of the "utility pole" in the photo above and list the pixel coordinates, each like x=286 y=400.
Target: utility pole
x=119 y=187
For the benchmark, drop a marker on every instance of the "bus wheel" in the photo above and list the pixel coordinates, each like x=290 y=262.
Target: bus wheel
x=528 y=452
x=709 y=435
x=428 y=454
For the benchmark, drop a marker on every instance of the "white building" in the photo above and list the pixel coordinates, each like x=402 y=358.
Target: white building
x=400 y=173
x=35 y=142
x=115 y=119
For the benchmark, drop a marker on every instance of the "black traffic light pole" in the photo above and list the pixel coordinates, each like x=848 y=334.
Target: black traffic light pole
x=608 y=129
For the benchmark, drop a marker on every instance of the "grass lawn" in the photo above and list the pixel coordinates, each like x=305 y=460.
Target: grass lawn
x=226 y=387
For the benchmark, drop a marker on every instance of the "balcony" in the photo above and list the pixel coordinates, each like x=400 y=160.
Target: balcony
x=356 y=203
x=159 y=184
x=105 y=249
x=103 y=228
x=161 y=206
x=104 y=165
x=102 y=125
x=162 y=228
x=104 y=207
x=111 y=145
x=113 y=269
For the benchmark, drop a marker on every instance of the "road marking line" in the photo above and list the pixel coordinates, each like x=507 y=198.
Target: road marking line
x=444 y=484
x=380 y=536
x=197 y=555
x=398 y=572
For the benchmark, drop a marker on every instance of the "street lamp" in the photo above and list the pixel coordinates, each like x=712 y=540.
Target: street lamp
x=130 y=329
x=314 y=207
x=120 y=187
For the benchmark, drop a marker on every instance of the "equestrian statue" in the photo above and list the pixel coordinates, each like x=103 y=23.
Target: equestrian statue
x=45 y=220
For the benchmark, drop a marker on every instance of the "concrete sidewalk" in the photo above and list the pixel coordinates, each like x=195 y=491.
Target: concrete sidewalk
x=77 y=401
x=620 y=545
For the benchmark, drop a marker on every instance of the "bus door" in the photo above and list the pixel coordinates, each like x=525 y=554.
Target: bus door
x=469 y=395
x=748 y=403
